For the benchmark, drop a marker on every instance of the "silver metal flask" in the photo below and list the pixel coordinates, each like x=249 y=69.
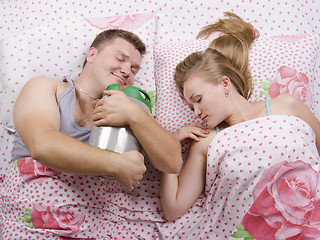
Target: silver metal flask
x=120 y=139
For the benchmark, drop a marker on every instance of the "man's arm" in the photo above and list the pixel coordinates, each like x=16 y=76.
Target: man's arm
x=162 y=148
x=37 y=120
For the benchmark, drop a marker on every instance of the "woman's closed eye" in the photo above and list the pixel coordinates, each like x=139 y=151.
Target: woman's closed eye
x=197 y=99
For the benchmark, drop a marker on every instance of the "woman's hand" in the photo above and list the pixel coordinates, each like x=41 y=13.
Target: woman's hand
x=191 y=132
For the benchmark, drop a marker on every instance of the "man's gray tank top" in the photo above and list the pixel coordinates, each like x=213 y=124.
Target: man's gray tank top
x=68 y=126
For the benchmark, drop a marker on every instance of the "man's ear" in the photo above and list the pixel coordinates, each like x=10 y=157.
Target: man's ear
x=90 y=54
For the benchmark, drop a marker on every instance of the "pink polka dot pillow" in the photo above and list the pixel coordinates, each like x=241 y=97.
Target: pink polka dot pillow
x=170 y=110
x=59 y=49
x=278 y=64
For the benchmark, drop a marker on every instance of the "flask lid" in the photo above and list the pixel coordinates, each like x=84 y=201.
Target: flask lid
x=133 y=92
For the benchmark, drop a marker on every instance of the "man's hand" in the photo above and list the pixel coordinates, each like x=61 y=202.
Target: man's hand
x=130 y=170
x=115 y=110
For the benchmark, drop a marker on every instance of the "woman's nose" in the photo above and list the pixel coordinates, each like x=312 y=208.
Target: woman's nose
x=197 y=112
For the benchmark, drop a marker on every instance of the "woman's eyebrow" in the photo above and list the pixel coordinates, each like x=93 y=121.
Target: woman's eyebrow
x=192 y=96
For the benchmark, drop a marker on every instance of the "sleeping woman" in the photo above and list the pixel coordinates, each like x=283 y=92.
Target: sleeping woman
x=258 y=168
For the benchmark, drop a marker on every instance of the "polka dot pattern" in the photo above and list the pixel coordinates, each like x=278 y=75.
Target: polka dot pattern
x=100 y=208
x=178 y=20
x=238 y=157
x=104 y=205
x=267 y=55
x=59 y=49
x=171 y=111
x=174 y=20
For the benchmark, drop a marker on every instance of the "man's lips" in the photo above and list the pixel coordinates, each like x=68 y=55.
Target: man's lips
x=120 y=78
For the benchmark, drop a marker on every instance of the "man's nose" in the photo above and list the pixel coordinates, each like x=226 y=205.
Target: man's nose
x=125 y=70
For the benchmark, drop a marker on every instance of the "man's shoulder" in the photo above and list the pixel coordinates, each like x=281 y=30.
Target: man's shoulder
x=42 y=80
x=44 y=84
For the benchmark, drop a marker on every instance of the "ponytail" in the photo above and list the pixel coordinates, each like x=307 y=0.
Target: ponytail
x=234 y=42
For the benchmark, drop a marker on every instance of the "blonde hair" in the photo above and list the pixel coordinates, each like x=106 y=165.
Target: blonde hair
x=227 y=55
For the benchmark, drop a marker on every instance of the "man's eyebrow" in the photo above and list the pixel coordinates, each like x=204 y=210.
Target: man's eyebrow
x=122 y=54
x=126 y=57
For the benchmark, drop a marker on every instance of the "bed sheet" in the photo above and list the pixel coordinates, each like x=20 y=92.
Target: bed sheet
x=174 y=20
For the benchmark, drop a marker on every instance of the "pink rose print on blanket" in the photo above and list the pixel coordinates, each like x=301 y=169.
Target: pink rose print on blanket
x=62 y=222
x=288 y=80
x=285 y=204
x=32 y=170
x=128 y=22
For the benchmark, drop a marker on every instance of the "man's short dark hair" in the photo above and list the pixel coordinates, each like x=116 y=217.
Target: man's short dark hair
x=112 y=34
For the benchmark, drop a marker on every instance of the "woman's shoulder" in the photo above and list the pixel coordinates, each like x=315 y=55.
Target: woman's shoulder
x=285 y=98
x=286 y=104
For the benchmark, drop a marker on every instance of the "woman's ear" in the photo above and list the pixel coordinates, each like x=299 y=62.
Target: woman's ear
x=226 y=83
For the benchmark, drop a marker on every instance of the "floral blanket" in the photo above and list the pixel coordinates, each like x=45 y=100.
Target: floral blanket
x=262 y=183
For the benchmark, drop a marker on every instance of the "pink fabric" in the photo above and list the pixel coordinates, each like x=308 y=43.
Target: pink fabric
x=262 y=178
x=277 y=64
x=59 y=204
x=267 y=180
x=288 y=80
x=128 y=22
